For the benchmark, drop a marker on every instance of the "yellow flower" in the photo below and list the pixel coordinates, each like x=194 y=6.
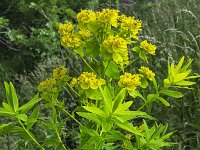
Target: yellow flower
x=47 y=84
x=84 y=33
x=87 y=81
x=115 y=44
x=59 y=73
x=86 y=16
x=131 y=81
x=108 y=16
x=71 y=41
x=147 y=73
x=150 y=48
x=118 y=47
x=128 y=25
x=66 y=28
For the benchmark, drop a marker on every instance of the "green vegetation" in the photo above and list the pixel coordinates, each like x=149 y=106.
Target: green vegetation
x=30 y=50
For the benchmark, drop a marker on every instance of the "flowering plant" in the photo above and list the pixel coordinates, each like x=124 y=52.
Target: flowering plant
x=104 y=41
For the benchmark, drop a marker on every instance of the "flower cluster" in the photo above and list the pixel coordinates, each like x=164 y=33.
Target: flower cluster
x=150 y=48
x=87 y=81
x=108 y=16
x=117 y=46
x=131 y=81
x=47 y=85
x=86 y=16
x=147 y=73
x=130 y=26
x=59 y=77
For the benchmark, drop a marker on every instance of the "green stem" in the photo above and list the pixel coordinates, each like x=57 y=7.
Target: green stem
x=87 y=64
x=71 y=116
x=59 y=138
x=34 y=140
x=72 y=90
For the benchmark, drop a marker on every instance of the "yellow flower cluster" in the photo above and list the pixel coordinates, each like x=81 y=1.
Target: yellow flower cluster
x=117 y=46
x=131 y=81
x=108 y=16
x=87 y=81
x=84 y=33
x=68 y=37
x=130 y=26
x=59 y=73
x=150 y=48
x=86 y=16
x=66 y=28
x=47 y=84
x=71 y=41
x=147 y=73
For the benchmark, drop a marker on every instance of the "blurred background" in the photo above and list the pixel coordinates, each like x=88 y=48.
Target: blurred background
x=30 y=49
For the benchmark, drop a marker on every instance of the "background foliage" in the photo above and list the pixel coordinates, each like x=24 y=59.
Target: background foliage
x=30 y=49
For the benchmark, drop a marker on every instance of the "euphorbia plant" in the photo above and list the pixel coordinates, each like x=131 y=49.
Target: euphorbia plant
x=104 y=41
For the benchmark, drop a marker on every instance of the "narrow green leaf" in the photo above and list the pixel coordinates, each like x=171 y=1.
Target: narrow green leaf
x=122 y=107
x=14 y=98
x=95 y=110
x=26 y=107
x=129 y=127
x=183 y=69
x=90 y=132
x=89 y=116
x=22 y=117
x=180 y=76
x=162 y=100
x=185 y=83
x=119 y=99
x=107 y=99
x=6 y=113
x=8 y=94
x=33 y=117
x=7 y=107
x=178 y=67
x=174 y=94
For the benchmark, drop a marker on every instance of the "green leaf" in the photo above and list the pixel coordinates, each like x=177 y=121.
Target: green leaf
x=92 y=49
x=136 y=49
x=8 y=94
x=107 y=99
x=129 y=127
x=151 y=97
x=185 y=83
x=119 y=99
x=33 y=117
x=144 y=83
x=116 y=135
x=180 y=76
x=26 y=107
x=122 y=107
x=178 y=67
x=14 y=98
x=90 y=132
x=7 y=107
x=143 y=56
x=22 y=117
x=92 y=143
x=174 y=94
x=112 y=70
x=79 y=51
x=127 y=115
x=95 y=110
x=6 y=113
x=162 y=100
x=89 y=116
x=93 y=94
x=106 y=126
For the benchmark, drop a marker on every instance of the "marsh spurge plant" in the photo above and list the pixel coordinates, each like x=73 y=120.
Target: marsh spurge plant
x=107 y=88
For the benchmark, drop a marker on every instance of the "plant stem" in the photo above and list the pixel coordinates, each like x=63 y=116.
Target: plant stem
x=36 y=142
x=87 y=64
x=72 y=116
x=72 y=89
x=59 y=138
